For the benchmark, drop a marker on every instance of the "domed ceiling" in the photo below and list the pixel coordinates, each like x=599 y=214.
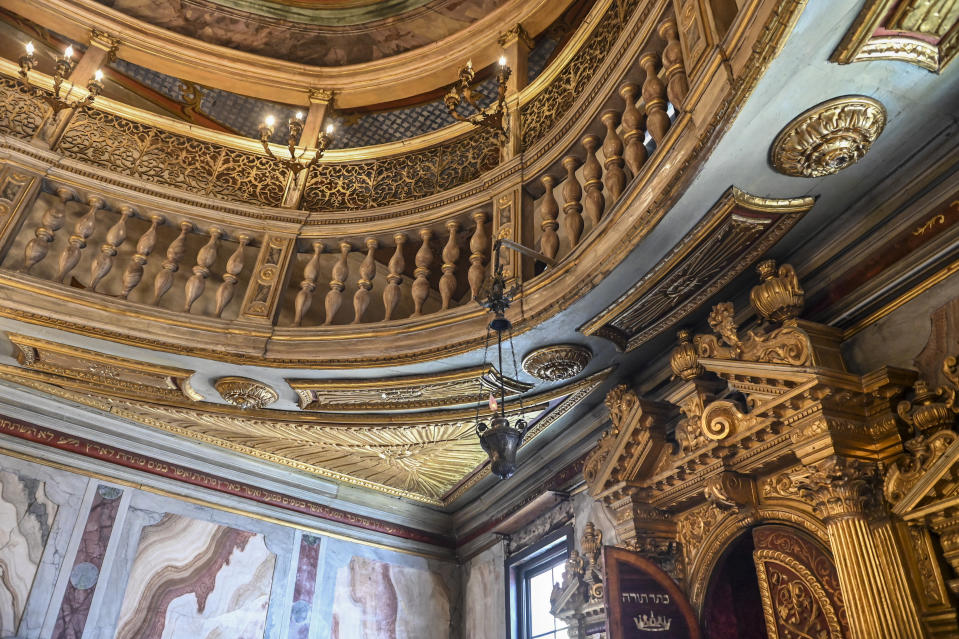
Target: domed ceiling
x=315 y=32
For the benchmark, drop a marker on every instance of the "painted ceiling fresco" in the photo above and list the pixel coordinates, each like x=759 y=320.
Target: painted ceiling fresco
x=310 y=32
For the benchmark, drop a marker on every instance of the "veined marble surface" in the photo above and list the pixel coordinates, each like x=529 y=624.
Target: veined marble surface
x=194 y=579
x=484 y=613
x=26 y=518
x=377 y=600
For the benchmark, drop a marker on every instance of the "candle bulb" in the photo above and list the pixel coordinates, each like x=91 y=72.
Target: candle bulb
x=98 y=76
x=329 y=129
x=270 y=121
x=30 y=48
x=68 y=52
x=502 y=60
x=299 y=115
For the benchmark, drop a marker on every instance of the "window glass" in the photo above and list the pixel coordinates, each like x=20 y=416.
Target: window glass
x=543 y=625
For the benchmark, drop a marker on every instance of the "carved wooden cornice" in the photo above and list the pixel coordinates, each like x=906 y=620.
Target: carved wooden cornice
x=736 y=231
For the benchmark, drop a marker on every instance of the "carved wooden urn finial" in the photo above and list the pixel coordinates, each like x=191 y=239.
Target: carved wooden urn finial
x=684 y=362
x=778 y=297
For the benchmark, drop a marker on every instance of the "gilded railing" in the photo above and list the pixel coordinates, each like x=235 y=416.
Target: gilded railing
x=386 y=241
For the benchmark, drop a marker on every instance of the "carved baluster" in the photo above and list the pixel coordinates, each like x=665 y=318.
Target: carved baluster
x=451 y=253
x=549 y=211
x=205 y=258
x=634 y=133
x=103 y=263
x=174 y=253
x=234 y=266
x=391 y=294
x=676 y=84
x=593 y=175
x=479 y=244
x=78 y=241
x=421 y=285
x=334 y=298
x=361 y=299
x=145 y=246
x=614 y=177
x=50 y=223
x=572 y=193
x=304 y=299
x=654 y=95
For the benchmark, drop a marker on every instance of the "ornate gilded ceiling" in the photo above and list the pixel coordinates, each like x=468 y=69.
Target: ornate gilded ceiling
x=364 y=432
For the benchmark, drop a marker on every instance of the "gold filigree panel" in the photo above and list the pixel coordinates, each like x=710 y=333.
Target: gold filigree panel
x=21 y=114
x=454 y=388
x=81 y=368
x=540 y=114
x=736 y=232
x=168 y=159
x=393 y=180
x=921 y=32
x=799 y=586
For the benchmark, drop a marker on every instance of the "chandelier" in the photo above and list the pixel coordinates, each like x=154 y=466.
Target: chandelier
x=62 y=68
x=295 y=163
x=500 y=438
x=494 y=116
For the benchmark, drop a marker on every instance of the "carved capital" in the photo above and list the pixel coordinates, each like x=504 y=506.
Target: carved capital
x=518 y=32
x=105 y=41
x=321 y=96
x=840 y=487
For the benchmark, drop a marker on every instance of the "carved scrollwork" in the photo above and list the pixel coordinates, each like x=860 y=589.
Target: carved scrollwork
x=21 y=113
x=921 y=453
x=245 y=393
x=393 y=180
x=151 y=154
x=620 y=401
x=541 y=113
x=784 y=345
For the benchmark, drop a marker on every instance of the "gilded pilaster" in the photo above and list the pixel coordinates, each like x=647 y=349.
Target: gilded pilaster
x=516 y=45
x=843 y=492
x=509 y=222
x=18 y=192
x=262 y=299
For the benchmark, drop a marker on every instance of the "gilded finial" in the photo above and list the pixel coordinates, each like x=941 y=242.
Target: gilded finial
x=683 y=361
x=778 y=297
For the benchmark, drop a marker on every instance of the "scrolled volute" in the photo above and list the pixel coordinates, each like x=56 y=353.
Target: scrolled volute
x=722 y=419
x=922 y=452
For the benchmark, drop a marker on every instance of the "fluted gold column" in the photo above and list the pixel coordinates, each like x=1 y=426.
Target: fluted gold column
x=878 y=603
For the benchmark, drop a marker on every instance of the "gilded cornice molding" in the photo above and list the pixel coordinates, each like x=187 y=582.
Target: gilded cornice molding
x=403 y=75
x=925 y=34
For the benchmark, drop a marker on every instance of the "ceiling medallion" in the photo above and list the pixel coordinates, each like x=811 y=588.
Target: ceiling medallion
x=560 y=361
x=245 y=393
x=828 y=137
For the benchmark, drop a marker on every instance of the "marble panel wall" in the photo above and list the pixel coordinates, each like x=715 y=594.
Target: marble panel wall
x=484 y=613
x=26 y=519
x=193 y=578
x=116 y=562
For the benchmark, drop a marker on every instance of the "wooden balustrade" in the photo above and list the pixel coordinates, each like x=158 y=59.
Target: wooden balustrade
x=145 y=246
x=593 y=184
x=445 y=267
